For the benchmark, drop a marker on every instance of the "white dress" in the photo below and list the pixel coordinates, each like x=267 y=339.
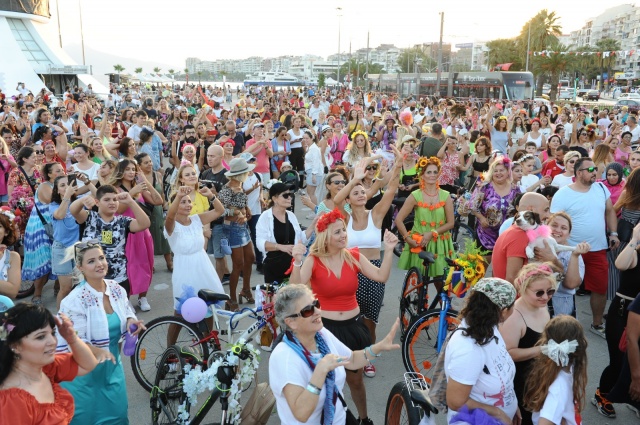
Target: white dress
x=192 y=268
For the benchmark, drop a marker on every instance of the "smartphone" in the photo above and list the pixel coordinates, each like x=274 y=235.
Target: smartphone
x=548 y=173
x=139 y=179
x=71 y=179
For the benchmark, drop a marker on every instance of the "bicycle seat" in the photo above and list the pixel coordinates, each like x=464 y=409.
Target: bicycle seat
x=211 y=297
x=427 y=257
x=421 y=397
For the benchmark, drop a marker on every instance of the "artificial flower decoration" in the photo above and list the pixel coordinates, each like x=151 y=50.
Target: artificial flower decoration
x=469 y=268
x=359 y=133
x=329 y=218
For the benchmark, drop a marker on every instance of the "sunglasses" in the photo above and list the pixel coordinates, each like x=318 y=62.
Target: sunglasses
x=39 y=152
x=337 y=182
x=307 y=311
x=286 y=195
x=589 y=169
x=540 y=293
x=371 y=167
x=82 y=246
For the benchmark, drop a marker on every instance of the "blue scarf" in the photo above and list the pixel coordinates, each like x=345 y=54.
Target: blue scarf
x=331 y=395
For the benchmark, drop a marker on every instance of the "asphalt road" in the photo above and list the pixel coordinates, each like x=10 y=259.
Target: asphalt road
x=389 y=367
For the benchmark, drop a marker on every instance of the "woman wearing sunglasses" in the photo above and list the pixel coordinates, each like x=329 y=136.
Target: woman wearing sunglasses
x=566 y=178
x=332 y=270
x=536 y=284
x=307 y=369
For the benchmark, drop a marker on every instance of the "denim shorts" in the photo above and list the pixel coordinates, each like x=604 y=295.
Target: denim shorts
x=58 y=267
x=238 y=234
x=4 y=198
x=213 y=246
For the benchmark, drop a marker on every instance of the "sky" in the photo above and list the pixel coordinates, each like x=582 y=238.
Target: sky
x=168 y=32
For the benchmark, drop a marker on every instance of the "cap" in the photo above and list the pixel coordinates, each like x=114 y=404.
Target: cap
x=278 y=188
x=376 y=114
x=247 y=156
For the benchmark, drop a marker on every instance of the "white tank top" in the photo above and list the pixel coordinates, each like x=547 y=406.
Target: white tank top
x=537 y=141
x=367 y=238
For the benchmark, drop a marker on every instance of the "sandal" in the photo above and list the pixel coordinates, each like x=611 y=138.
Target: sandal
x=170 y=265
x=56 y=288
x=231 y=306
x=37 y=300
x=247 y=297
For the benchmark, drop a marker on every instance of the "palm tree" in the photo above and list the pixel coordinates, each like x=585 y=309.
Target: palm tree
x=554 y=65
x=607 y=45
x=138 y=70
x=118 y=68
x=199 y=73
x=539 y=33
x=157 y=70
x=171 y=72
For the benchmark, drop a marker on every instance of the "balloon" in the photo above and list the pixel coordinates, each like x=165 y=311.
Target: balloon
x=194 y=310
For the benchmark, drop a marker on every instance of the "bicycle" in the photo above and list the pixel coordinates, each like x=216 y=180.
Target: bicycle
x=425 y=336
x=202 y=341
x=167 y=394
x=414 y=299
x=409 y=402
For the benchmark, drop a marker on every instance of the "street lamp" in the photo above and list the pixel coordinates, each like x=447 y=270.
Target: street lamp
x=339 y=11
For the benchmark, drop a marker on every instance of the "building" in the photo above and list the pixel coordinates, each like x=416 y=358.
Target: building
x=385 y=55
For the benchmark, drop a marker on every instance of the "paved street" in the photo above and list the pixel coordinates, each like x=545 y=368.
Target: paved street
x=390 y=368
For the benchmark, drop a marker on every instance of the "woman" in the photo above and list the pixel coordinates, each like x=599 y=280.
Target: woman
x=51 y=154
x=357 y=150
x=187 y=175
x=516 y=133
x=601 y=157
x=160 y=244
x=139 y=246
x=545 y=127
x=490 y=202
x=354 y=123
x=332 y=270
x=84 y=164
x=126 y=149
x=617 y=318
x=101 y=313
x=66 y=122
x=614 y=180
x=23 y=182
x=624 y=149
x=306 y=368
x=29 y=380
x=339 y=142
x=10 y=279
x=7 y=163
x=535 y=136
x=452 y=162
x=364 y=231
x=567 y=177
x=193 y=269
x=499 y=132
x=100 y=153
x=281 y=150
x=550 y=152
x=433 y=220
x=295 y=139
x=409 y=179
x=127 y=118
x=317 y=160
x=536 y=283
x=480 y=160
x=563 y=301
x=227 y=147
x=277 y=231
x=236 y=228
x=37 y=243
x=387 y=134
x=477 y=364
x=259 y=146
x=105 y=172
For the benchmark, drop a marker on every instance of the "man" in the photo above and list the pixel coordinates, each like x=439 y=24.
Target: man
x=190 y=136
x=591 y=211
x=315 y=109
x=555 y=166
x=215 y=175
x=134 y=130
x=238 y=138
x=128 y=103
x=431 y=145
x=509 y=251
x=568 y=127
x=633 y=127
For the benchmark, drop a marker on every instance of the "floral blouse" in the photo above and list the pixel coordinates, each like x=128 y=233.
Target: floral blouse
x=486 y=201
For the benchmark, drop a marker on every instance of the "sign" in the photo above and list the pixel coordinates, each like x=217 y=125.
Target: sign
x=464 y=46
x=69 y=69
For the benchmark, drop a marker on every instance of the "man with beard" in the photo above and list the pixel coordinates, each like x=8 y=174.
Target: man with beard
x=190 y=136
x=589 y=205
x=553 y=167
x=237 y=138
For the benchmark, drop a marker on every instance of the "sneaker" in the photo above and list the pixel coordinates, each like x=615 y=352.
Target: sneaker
x=370 y=371
x=598 y=330
x=603 y=405
x=225 y=278
x=144 y=304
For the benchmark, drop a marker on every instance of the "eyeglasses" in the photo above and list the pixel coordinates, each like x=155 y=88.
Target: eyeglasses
x=338 y=182
x=26 y=112
x=372 y=167
x=286 y=195
x=540 y=293
x=589 y=169
x=307 y=311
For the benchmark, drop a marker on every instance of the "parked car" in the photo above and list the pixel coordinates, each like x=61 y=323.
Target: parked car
x=593 y=95
x=628 y=96
x=546 y=88
x=566 y=94
x=633 y=105
x=582 y=92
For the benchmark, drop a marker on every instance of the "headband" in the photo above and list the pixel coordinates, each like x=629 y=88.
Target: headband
x=524 y=158
x=500 y=292
x=542 y=269
x=329 y=218
x=186 y=145
x=359 y=133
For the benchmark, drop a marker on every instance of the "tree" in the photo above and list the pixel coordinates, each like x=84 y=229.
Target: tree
x=171 y=72
x=199 y=73
x=607 y=45
x=157 y=70
x=321 y=80
x=138 y=70
x=538 y=34
x=414 y=58
x=118 y=68
x=553 y=65
x=186 y=71
x=351 y=67
x=504 y=50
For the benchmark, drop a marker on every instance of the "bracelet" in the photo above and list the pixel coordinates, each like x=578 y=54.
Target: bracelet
x=313 y=389
x=372 y=353
x=613 y=233
x=297 y=264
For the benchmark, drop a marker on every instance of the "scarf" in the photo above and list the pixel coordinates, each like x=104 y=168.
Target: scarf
x=331 y=395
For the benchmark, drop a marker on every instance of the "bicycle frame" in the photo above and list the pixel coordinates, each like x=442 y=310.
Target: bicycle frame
x=446 y=306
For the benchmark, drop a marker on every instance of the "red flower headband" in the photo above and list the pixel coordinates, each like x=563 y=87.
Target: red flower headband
x=186 y=145
x=329 y=218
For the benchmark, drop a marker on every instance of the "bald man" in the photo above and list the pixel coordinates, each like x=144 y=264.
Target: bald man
x=509 y=252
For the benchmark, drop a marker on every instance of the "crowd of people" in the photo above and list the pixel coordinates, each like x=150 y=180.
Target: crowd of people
x=93 y=189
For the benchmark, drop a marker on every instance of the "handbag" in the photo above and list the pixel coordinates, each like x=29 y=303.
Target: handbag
x=259 y=407
x=48 y=227
x=625 y=230
x=351 y=419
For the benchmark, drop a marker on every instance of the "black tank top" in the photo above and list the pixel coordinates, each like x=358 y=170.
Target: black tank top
x=529 y=340
x=480 y=167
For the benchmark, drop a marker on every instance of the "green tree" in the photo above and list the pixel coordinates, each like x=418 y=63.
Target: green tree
x=186 y=71
x=118 y=68
x=199 y=74
x=157 y=70
x=321 y=80
x=539 y=33
x=351 y=67
x=414 y=58
x=138 y=70
x=553 y=65
x=504 y=50
x=607 y=45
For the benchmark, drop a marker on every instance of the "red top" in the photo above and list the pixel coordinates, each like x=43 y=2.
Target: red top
x=336 y=294
x=21 y=407
x=511 y=243
x=553 y=167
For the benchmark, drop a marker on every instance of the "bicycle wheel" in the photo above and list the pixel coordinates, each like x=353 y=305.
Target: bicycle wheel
x=167 y=394
x=462 y=236
x=400 y=409
x=154 y=341
x=410 y=298
x=27 y=288
x=420 y=345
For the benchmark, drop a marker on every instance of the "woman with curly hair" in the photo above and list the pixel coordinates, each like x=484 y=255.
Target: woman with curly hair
x=536 y=283
x=477 y=364
x=432 y=221
x=555 y=392
x=357 y=150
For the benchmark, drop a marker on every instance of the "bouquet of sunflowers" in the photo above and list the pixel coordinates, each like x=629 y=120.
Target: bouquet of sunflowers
x=470 y=267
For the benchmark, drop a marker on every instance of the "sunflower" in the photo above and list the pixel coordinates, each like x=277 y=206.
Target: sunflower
x=480 y=270
x=469 y=273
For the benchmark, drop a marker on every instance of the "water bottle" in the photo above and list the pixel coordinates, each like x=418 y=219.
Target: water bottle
x=130 y=341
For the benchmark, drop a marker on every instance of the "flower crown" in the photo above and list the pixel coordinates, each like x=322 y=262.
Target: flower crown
x=6 y=211
x=359 y=133
x=185 y=162
x=329 y=218
x=524 y=158
x=424 y=162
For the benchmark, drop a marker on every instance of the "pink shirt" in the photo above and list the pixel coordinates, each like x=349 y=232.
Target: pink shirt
x=4 y=172
x=262 y=159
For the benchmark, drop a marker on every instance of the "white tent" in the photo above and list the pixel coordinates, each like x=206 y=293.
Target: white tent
x=330 y=82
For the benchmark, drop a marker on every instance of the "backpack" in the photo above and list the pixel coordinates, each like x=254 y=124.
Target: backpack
x=259 y=407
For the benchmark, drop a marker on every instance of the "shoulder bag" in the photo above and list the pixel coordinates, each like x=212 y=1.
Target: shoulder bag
x=48 y=227
x=259 y=407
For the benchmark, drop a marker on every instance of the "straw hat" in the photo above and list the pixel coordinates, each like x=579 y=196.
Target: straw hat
x=239 y=166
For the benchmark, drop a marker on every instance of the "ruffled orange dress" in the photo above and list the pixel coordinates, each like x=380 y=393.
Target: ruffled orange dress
x=18 y=406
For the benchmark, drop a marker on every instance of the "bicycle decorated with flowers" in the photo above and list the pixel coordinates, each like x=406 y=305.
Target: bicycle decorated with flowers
x=427 y=332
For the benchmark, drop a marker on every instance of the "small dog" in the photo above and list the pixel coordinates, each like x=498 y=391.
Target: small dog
x=538 y=233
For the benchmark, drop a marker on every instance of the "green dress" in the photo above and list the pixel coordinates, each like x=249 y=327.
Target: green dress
x=101 y=396
x=427 y=220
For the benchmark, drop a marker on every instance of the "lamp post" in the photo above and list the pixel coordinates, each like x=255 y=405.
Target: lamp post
x=439 y=69
x=528 y=46
x=339 y=10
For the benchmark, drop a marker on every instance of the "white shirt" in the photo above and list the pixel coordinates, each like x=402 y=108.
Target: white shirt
x=264 y=230
x=134 y=132
x=559 y=402
x=528 y=181
x=635 y=133
x=313 y=162
x=253 y=198
x=561 y=180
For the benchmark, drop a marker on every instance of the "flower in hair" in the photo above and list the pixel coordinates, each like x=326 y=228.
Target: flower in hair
x=5 y=330
x=359 y=133
x=185 y=162
x=6 y=211
x=329 y=218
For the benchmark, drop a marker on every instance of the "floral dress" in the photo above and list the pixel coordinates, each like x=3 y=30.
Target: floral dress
x=429 y=217
x=450 y=171
x=486 y=201
x=21 y=198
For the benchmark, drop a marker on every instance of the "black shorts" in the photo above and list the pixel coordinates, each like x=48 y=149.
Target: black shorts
x=351 y=332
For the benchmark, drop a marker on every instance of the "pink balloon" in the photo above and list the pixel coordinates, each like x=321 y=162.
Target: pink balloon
x=194 y=310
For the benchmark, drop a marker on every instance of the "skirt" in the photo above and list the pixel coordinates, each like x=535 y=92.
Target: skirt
x=351 y=332
x=370 y=295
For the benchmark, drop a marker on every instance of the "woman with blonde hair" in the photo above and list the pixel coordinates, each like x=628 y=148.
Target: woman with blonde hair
x=331 y=269
x=358 y=149
x=601 y=157
x=536 y=283
x=566 y=178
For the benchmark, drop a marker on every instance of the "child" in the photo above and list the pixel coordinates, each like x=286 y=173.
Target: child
x=110 y=230
x=555 y=390
x=530 y=182
x=531 y=148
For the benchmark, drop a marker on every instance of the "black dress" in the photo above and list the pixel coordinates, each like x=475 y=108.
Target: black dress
x=529 y=340
x=278 y=262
